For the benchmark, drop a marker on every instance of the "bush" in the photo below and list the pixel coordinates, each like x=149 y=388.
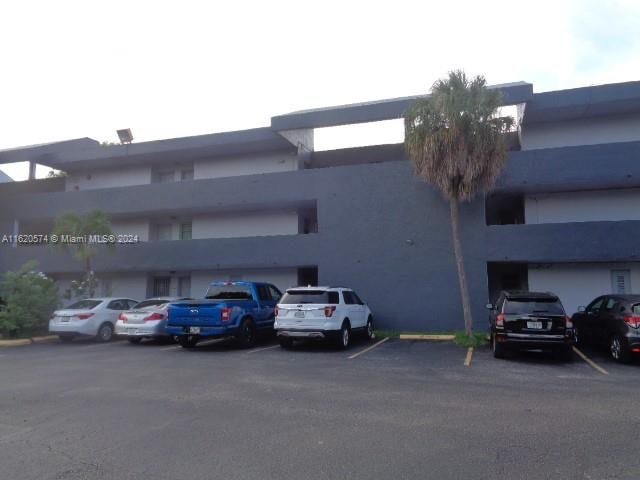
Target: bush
x=30 y=297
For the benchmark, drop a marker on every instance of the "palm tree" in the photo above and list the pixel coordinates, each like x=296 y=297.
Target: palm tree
x=74 y=225
x=455 y=139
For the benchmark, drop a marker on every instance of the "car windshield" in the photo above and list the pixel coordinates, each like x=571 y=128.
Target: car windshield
x=525 y=306
x=229 y=292
x=151 y=303
x=310 y=296
x=84 y=305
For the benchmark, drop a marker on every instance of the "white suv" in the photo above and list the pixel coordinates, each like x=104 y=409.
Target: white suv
x=334 y=313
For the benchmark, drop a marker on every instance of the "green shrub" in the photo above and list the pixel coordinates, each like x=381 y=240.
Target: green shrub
x=29 y=297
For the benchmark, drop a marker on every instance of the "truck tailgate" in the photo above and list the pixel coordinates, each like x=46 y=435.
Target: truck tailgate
x=201 y=313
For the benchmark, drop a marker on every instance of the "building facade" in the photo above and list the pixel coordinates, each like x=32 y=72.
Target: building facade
x=261 y=204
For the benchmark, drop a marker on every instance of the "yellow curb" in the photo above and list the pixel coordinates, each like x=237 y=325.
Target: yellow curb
x=432 y=338
x=467 y=360
x=15 y=343
x=44 y=339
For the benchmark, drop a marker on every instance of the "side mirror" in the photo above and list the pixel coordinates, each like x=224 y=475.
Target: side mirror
x=489 y=306
x=581 y=309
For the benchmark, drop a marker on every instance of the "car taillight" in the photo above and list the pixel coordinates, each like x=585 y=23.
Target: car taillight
x=276 y=311
x=226 y=314
x=500 y=320
x=567 y=322
x=328 y=311
x=122 y=318
x=84 y=316
x=153 y=317
x=633 y=322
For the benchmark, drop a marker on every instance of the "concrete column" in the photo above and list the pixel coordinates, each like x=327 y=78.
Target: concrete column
x=32 y=170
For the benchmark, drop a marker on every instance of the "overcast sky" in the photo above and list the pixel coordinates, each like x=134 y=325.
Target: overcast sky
x=178 y=68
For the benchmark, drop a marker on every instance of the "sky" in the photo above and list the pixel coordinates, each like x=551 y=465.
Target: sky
x=167 y=69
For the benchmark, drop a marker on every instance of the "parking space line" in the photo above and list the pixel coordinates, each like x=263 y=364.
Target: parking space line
x=467 y=360
x=172 y=347
x=369 y=348
x=590 y=362
x=263 y=349
x=100 y=344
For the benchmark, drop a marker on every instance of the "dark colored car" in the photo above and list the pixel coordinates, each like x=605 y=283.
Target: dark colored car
x=612 y=321
x=530 y=321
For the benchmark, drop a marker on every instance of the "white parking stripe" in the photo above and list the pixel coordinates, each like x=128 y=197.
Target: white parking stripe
x=263 y=349
x=172 y=347
x=369 y=348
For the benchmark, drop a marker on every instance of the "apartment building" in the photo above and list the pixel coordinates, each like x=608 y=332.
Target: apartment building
x=261 y=204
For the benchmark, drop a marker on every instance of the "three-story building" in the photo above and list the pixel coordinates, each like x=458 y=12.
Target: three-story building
x=261 y=204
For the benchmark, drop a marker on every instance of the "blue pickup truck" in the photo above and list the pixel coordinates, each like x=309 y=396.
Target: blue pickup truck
x=230 y=309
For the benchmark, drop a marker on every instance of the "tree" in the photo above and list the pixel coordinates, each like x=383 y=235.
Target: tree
x=82 y=227
x=30 y=297
x=455 y=139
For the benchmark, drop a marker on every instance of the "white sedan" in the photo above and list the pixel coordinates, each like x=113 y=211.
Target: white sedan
x=95 y=317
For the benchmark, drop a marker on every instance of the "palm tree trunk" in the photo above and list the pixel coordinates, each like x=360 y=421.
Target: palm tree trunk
x=87 y=268
x=462 y=276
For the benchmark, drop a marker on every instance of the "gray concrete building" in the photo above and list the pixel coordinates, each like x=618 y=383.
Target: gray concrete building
x=261 y=204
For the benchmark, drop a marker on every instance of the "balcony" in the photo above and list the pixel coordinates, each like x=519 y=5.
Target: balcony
x=223 y=253
x=564 y=242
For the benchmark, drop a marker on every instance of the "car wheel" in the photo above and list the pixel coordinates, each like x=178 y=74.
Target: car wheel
x=134 y=340
x=371 y=334
x=247 y=336
x=578 y=337
x=496 y=348
x=344 y=339
x=65 y=338
x=618 y=350
x=286 y=343
x=105 y=332
x=188 y=341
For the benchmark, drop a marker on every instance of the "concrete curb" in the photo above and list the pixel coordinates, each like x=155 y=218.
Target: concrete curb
x=428 y=338
x=44 y=339
x=27 y=341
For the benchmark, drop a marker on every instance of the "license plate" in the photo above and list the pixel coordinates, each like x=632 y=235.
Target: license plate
x=535 y=325
x=63 y=319
x=132 y=331
x=299 y=314
x=194 y=329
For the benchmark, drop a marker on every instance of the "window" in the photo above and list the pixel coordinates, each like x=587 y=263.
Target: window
x=610 y=304
x=229 y=292
x=132 y=303
x=186 y=174
x=263 y=293
x=185 y=231
x=167 y=176
x=84 y=305
x=118 y=305
x=164 y=232
x=595 y=305
x=184 y=286
x=620 y=281
x=528 y=306
x=293 y=297
x=161 y=286
x=348 y=298
x=275 y=293
x=357 y=298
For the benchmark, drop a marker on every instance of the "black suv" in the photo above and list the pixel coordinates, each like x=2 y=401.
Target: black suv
x=530 y=321
x=612 y=321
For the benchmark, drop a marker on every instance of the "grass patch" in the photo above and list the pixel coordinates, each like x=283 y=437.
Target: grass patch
x=478 y=339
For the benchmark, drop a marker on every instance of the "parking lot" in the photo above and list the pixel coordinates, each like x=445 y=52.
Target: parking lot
x=400 y=410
